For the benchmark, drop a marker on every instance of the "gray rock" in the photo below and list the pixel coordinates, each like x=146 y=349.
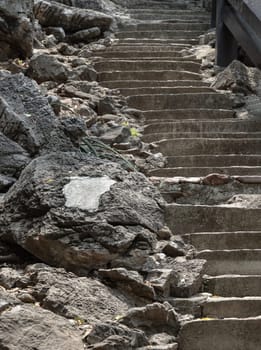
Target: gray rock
x=85 y=35
x=116 y=135
x=71 y=19
x=9 y=277
x=7 y=301
x=106 y=6
x=27 y=118
x=153 y=317
x=45 y=67
x=84 y=72
x=58 y=32
x=73 y=297
x=128 y=281
x=6 y=182
x=31 y=327
x=103 y=333
x=16 y=29
x=238 y=78
x=76 y=238
x=13 y=158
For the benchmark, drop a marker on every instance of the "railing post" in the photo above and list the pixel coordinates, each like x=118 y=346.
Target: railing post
x=214 y=14
x=226 y=46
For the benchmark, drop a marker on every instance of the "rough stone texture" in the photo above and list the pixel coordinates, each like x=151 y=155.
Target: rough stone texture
x=86 y=35
x=82 y=298
x=27 y=118
x=71 y=19
x=13 y=158
x=238 y=78
x=46 y=67
x=31 y=327
x=16 y=29
x=152 y=317
x=106 y=6
x=74 y=238
x=129 y=281
x=108 y=333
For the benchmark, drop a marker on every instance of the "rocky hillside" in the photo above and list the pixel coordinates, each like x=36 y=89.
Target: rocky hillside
x=86 y=258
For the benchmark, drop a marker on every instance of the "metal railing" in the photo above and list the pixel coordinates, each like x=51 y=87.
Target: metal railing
x=238 y=26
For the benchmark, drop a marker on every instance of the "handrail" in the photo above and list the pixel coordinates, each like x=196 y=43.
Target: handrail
x=238 y=25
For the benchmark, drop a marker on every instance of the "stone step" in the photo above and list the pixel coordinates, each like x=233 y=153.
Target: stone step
x=201 y=27
x=233 y=285
x=226 y=334
x=159 y=42
x=172 y=115
x=203 y=218
x=208 y=146
x=214 y=160
x=164 y=90
x=192 y=135
x=173 y=12
x=140 y=56
x=141 y=65
x=174 y=17
x=236 y=261
x=202 y=126
x=145 y=55
x=178 y=101
x=176 y=48
x=163 y=34
x=204 y=171
x=220 y=307
x=148 y=75
x=132 y=84
x=156 y=4
x=224 y=240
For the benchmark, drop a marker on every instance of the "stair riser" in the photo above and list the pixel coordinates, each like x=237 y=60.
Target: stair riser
x=204 y=171
x=159 y=35
x=172 y=90
x=150 y=75
x=191 y=135
x=178 y=48
x=160 y=16
x=225 y=241
x=244 y=262
x=221 y=335
x=151 y=84
x=159 y=42
x=203 y=126
x=188 y=218
x=181 y=147
x=119 y=65
x=237 y=286
x=177 y=101
x=232 y=308
x=200 y=27
x=175 y=115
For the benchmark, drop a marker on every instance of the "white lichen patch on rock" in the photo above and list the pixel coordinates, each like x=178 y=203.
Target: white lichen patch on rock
x=85 y=192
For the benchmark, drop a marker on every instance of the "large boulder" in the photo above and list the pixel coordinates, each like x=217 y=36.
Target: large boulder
x=27 y=118
x=16 y=28
x=80 y=212
x=71 y=19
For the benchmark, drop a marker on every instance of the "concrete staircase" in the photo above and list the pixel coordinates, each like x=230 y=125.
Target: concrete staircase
x=195 y=127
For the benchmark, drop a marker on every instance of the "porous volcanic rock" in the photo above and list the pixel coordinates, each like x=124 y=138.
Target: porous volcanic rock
x=16 y=29
x=56 y=223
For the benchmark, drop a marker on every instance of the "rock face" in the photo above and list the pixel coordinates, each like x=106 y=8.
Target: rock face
x=27 y=118
x=65 y=233
x=71 y=19
x=238 y=78
x=16 y=29
x=106 y=6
